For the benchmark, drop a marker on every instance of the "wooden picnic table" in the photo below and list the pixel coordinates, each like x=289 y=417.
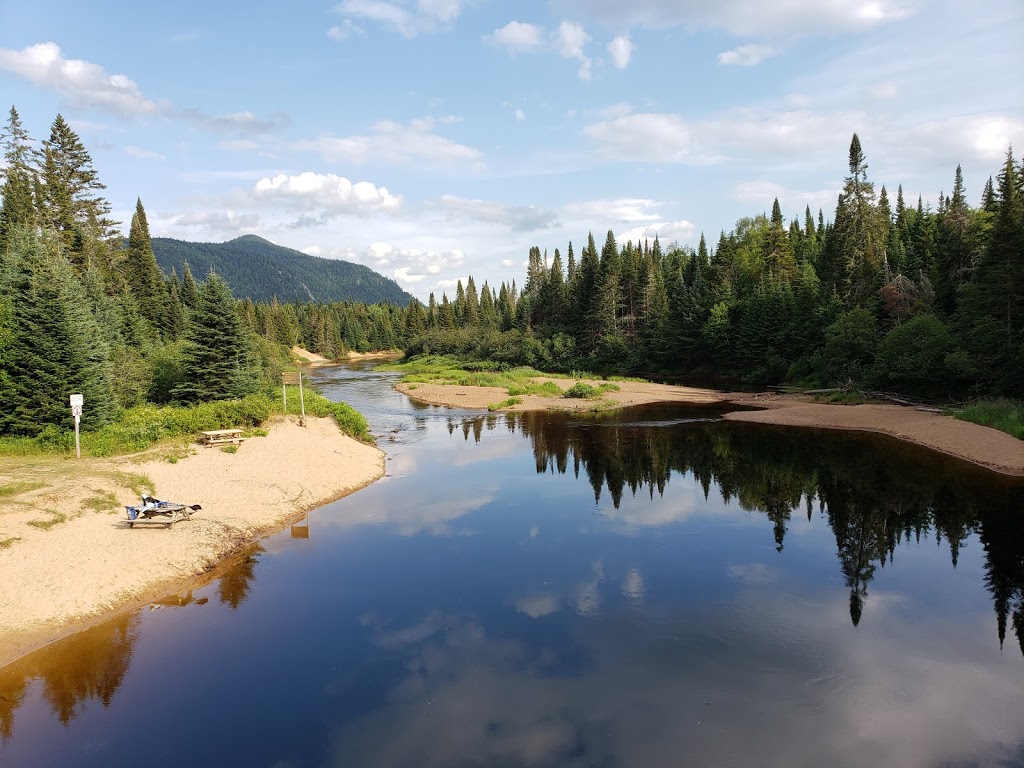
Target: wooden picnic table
x=221 y=437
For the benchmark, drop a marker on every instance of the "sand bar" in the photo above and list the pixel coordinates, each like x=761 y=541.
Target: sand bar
x=79 y=571
x=979 y=445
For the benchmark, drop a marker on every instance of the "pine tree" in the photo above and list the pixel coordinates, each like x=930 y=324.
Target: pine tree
x=189 y=289
x=859 y=247
x=19 y=180
x=216 y=354
x=55 y=347
x=141 y=273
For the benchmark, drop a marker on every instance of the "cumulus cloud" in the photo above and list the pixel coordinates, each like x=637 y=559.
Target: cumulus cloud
x=216 y=225
x=333 y=195
x=762 y=193
x=746 y=17
x=409 y=266
x=621 y=50
x=86 y=85
x=517 y=36
x=520 y=115
x=409 y=21
x=665 y=231
x=571 y=39
x=395 y=143
x=520 y=218
x=746 y=55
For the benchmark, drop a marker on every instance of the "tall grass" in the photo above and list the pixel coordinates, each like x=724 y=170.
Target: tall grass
x=138 y=428
x=1002 y=414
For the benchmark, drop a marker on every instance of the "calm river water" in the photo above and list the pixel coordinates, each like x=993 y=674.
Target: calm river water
x=648 y=588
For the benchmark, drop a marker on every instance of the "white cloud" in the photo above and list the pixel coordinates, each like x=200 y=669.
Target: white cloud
x=213 y=224
x=621 y=50
x=665 y=231
x=398 y=144
x=762 y=193
x=522 y=218
x=747 y=55
x=143 y=154
x=622 y=209
x=425 y=16
x=571 y=39
x=747 y=17
x=517 y=37
x=520 y=115
x=87 y=85
x=644 y=137
x=345 y=30
x=333 y=195
x=536 y=606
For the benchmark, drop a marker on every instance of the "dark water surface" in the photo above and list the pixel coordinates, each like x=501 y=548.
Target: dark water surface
x=648 y=588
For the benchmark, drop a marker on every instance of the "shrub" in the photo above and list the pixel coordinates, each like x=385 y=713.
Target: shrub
x=581 y=390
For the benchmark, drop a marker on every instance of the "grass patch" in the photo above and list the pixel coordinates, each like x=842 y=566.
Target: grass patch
x=6 y=543
x=841 y=398
x=508 y=403
x=56 y=518
x=229 y=448
x=136 y=482
x=545 y=389
x=586 y=391
x=103 y=501
x=22 y=486
x=634 y=379
x=257 y=432
x=1002 y=414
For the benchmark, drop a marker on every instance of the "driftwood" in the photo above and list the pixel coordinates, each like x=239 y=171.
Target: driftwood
x=823 y=391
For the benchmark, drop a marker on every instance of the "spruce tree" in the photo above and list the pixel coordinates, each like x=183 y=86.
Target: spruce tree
x=216 y=356
x=19 y=179
x=141 y=273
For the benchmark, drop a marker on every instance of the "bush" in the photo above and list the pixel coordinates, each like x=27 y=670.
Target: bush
x=581 y=390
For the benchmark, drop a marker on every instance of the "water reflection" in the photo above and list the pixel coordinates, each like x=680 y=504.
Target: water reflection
x=88 y=666
x=873 y=491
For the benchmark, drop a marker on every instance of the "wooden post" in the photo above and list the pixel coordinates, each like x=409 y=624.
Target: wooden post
x=302 y=402
x=76 y=411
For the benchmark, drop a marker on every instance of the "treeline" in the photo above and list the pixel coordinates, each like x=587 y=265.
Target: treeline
x=81 y=310
x=890 y=295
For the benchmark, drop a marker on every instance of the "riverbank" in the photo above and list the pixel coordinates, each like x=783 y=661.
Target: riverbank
x=976 y=444
x=68 y=559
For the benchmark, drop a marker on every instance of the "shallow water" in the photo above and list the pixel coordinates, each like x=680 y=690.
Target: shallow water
x=647 y=588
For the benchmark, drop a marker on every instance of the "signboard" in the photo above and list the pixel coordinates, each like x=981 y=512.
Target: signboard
x=293 y=378
x=76 y=411
x=76 y=400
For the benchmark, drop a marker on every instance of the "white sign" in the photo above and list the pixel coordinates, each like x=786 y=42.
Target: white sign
x=76 y=400
x=76 y=411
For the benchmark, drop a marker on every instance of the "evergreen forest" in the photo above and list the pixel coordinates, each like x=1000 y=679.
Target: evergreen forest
x=881 y=294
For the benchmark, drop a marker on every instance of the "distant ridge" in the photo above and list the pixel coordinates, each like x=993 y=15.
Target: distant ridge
x=258 y=269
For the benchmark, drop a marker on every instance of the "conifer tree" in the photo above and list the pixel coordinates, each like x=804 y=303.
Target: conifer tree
x=141 y=273
x=189 y=289
x=19 y=179
x=216 y=355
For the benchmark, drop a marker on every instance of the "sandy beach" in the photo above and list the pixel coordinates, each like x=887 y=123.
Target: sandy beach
x=68 y=558
x=978 y=445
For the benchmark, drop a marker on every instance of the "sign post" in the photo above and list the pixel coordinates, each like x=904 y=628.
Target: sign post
x=76 y=411
x=293 y=378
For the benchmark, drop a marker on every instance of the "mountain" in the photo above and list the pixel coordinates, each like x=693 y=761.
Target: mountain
x=259 y=269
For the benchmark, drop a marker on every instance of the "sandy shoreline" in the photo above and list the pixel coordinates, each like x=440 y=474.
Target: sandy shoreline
x=81 y=570
x=969 y=442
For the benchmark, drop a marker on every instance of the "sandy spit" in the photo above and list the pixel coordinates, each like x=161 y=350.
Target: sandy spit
x=60 y=580
x=979 y=445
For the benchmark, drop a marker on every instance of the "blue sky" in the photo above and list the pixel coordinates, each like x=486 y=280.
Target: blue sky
x=434 y=139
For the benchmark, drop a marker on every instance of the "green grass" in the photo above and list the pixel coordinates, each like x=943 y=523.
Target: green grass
x=56 y=518
x=5 y=543
x=138 y=428
x=21 y=486
x=103 y=501
x=508 y=403
x=229 y=448
x=1002 y=414
x=545 y=389
x=136 y=482
x=841 y=398
x=587 y=391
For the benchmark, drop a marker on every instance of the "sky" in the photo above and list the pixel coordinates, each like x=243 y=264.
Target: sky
x=436 y=139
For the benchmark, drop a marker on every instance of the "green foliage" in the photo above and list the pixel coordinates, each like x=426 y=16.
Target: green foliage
x=229 y=448
x=7 y=490
x=349 y=420
x=507 y=403
x=582 y=390
x=1002 y=414
x=921 y=355
x=849 y=347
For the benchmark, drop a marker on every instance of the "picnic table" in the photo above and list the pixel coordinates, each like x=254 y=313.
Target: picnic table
x=221 y=437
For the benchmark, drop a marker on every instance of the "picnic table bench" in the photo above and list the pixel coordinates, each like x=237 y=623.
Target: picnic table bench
x=221 y=437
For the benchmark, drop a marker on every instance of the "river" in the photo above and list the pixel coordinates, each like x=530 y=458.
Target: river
x=652 y=587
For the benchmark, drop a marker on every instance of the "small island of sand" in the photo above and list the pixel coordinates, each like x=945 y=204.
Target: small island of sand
x=69 y=559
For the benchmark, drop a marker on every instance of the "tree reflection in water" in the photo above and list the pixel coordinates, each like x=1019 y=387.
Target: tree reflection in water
x=874 y=491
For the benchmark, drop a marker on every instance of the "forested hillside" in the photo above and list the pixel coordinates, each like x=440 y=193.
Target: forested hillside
x=261 y=270
x=885 y=294
x=888 y=294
